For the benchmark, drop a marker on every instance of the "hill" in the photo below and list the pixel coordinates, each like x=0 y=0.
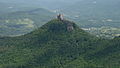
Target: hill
x=22 y=22
x=55 y=45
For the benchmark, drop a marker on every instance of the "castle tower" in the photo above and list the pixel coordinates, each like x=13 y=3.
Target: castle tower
x=60 y=16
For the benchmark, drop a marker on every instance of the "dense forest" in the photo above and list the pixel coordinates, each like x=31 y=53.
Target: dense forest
x=54 y=46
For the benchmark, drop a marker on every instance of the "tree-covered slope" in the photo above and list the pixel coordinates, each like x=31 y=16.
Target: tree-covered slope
x=55 y=46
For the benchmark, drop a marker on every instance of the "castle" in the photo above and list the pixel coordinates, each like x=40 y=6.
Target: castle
x=60 y=16
x=69 y=25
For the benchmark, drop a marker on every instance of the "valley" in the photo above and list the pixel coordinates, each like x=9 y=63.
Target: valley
x=104 y=32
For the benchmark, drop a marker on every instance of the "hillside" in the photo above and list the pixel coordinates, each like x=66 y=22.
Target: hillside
x=22 y=22
x=54 y=45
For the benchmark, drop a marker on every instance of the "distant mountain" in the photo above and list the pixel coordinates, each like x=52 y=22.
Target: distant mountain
x=22 y=22
x=52 y=4
x=4 y=8
x=56 y=45
x=13 y=7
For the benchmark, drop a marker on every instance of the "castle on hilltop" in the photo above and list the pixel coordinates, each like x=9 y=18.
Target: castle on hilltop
x=69 y=25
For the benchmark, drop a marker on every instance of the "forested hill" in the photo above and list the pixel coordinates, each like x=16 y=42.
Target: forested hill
x=59 y=44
